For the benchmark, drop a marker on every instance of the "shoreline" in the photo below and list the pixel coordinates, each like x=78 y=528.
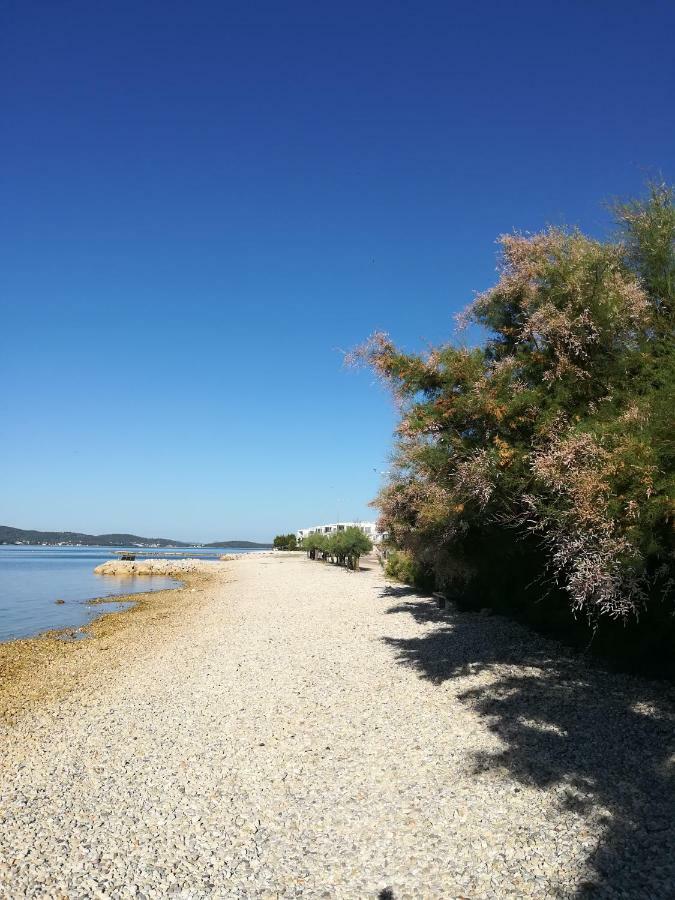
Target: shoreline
x=159 y=567
x=47 y=666
x=66 y=631
x=202 y=741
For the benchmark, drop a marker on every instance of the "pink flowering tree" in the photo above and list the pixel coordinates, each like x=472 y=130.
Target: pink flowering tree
x=548 y=450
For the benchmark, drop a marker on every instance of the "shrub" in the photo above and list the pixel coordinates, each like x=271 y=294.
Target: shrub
x=343 y=547
x=313 y=544
x=285 y=542
x=401 y=566
x=549 y=449
x=352 y=543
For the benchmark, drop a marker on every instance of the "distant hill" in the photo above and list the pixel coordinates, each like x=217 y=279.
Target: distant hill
x=243 y=544
x=9 y=535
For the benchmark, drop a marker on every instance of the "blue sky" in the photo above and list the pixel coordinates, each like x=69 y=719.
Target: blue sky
x=204 y=203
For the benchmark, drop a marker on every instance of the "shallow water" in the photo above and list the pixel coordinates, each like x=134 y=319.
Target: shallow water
x=33 y=578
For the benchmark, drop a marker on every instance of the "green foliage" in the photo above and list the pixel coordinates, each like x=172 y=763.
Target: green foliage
x=314 y=544
x=342 y=547
x=550 y=447
x=648 y=228
x=401 y=565
x=285 y=542
x=352 y=543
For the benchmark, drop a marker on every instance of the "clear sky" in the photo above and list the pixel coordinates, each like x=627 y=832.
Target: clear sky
x=203 y=203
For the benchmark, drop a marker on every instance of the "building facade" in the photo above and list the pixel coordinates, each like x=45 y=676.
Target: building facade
x=368 y=528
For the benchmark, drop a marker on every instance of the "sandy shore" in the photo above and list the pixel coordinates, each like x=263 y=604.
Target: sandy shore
x=284 y=728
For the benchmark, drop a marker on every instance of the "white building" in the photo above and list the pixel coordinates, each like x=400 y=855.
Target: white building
x=368 y=528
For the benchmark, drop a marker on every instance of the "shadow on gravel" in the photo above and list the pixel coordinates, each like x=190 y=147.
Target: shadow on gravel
x=606 y=741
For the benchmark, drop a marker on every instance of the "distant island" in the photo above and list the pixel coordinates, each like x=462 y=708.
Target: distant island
x=9 y=535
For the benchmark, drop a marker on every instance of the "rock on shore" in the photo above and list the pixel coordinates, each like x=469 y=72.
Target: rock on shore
x=165 y=567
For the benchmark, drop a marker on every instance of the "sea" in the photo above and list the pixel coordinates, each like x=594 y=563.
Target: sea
x=33 y=578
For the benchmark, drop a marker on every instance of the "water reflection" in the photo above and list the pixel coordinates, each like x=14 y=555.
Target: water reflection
x=33 y=579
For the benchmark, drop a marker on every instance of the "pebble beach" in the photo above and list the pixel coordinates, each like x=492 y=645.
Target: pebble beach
x=280 y=727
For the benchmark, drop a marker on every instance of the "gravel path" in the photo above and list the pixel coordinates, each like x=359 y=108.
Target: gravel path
x=306 y=731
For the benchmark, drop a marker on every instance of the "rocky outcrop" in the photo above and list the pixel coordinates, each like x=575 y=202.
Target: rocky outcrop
x=166 y=567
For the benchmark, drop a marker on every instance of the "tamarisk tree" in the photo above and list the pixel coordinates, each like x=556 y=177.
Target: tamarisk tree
x=548 y=449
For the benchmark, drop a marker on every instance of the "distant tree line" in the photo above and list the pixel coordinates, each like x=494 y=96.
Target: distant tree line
x=344 y=548
x=536 y=470
x=285 y=542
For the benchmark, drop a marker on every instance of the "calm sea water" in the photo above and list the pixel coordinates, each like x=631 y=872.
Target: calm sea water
x=33 y=578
